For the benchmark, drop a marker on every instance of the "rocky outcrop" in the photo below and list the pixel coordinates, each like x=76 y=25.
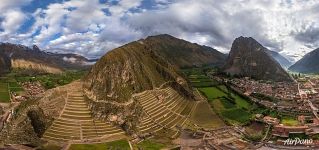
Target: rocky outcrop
x=249 y=58
x=308 y=64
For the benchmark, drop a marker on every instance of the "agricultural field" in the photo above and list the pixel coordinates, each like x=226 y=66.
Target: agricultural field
x=202 y=112
x=237 y=114
x=230 y=106
x=198 y=78
x=170 y=113
x=225 y=104
x=76 y=122
x=289 y=121
x=119 y=144
x=212 y=92
x=7 y=86
x=49 y=81
x=149 y=145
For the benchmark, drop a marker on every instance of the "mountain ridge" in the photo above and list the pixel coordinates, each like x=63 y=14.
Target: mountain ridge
x=308 y=63
x=182 y=53
x=284 y=62
x=23 y=57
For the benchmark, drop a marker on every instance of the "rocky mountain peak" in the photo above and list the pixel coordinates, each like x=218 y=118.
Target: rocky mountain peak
x=249 y=58
x=35 y=48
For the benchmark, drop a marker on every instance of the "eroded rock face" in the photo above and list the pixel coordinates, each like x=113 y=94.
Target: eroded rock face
x=39 y=67
x=308 y=64
x=249 y=58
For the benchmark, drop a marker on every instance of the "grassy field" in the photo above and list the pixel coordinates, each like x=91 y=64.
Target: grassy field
x=4 y=93
x=204 y=116
x=149 y=145
x=241 y=102
x=212 y=92
x=201 y=81
x=237 y=114
x=198 y=78
x=4 y=97
x=115 y=145
x=288 y=121
x=7 y=86
x=53 y=80
x=227 y=104
x=202 y=84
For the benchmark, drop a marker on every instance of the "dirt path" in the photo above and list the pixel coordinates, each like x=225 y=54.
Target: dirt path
x=5 y=116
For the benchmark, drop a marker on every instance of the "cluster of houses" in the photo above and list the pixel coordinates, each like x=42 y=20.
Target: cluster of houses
x=307 y=125
x=221 y=138
x=33 y=88
x=279 y=90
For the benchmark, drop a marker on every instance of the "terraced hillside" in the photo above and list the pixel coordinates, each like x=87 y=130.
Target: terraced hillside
x=76 y=123
x=165 y=111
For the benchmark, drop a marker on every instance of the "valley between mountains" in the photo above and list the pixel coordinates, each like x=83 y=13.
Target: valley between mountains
x=160 y=92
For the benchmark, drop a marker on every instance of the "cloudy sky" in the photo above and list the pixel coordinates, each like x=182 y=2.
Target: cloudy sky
x=92 y=27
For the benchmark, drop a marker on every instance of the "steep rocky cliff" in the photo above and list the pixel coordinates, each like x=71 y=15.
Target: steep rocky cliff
x=249 y=58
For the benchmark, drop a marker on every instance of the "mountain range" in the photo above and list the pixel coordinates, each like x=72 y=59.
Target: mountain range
x=284 y=62
x=179 y=53
x=154 y=62
x=131 y=86
x=21 y=57
x=308 y=64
